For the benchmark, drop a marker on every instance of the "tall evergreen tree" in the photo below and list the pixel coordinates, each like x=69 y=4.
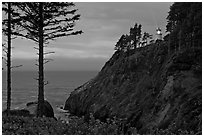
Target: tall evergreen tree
x=8 y=27
x=9 y=58
x=45 y=21
x=185 y=25
x=135 y=34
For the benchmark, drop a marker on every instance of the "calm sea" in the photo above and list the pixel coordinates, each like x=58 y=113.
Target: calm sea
x=61 y=83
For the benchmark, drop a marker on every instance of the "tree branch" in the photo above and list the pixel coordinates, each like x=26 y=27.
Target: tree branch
x=16 y=66
x=36 y=48
x=47 y=60
x=4 y=50
x=45 y=53
x=36 y=79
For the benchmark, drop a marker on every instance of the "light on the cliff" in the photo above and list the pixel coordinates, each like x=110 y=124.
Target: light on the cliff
x=158 y=34
x=158 y=31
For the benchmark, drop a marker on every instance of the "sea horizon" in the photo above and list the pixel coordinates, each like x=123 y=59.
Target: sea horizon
x=61 y=84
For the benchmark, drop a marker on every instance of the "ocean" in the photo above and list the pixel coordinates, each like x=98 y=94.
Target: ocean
x=61 y=84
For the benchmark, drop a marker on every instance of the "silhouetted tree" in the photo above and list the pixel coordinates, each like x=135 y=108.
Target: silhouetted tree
x=45 y=21
x=8 y=27
x=120 y=44
x=145 y=38
x=135 y=34
x=9 y=57
x=128 y=44
x=185 y=25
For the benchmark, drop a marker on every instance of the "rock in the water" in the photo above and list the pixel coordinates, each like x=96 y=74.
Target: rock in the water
x=48 y=110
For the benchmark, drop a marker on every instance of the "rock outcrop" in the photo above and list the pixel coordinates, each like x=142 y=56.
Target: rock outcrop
x=148 y=87
x=32 y=108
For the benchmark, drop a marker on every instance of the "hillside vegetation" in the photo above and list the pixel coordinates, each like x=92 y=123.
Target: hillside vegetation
x=155 y=86
x=147 y=88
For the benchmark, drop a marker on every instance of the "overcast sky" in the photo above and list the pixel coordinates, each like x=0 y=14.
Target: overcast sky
x=102 y=24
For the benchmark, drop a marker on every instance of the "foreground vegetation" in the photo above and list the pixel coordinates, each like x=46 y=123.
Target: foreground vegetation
x=27 y=125
x=23 y=124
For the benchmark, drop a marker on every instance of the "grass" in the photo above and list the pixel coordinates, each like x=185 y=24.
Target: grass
x=29 y=125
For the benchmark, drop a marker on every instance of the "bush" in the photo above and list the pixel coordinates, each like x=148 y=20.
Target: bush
x=20 y=125
x=22 y=112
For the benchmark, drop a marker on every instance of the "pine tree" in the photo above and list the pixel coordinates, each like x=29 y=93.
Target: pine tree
x=138 y=34
x=145 y=38
x=120 y=44
x=9 y=58
x=8 y=27
x=185 y=25
x=45 y=21
x=135 y=34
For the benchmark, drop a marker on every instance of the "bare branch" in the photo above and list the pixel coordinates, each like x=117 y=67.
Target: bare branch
x=17 y=66
x=36 y=48
x=36 y=78
x=4 y=50
x=4 y=45
x=48 y=52
x=27 y=37
x=47 y=60
x=4 y=59
x=62 y=35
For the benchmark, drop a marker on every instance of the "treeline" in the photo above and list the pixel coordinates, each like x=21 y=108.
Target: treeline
x=184 y=30
x=134 y=40
x=184 y=26
x=40 y=22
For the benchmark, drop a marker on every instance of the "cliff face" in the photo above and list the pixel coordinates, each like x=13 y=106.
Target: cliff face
x=147 y=87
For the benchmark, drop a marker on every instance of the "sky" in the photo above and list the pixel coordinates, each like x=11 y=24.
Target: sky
x=102 y=24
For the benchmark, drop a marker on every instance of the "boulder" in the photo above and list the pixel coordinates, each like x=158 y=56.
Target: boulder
x=32 y=108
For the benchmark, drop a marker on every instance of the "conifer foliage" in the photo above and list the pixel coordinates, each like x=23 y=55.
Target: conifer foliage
x=134 y=40
x=8 y=28
x=42 y=22
x=185 y=25
x=135 y=34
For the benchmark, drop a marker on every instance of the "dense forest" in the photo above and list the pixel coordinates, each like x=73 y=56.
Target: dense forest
x=147 y=87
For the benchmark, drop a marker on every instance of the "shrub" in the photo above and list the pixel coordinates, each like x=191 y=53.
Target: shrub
x=20 y=125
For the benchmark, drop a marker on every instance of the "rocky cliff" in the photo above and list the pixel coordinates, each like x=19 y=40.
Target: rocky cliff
x=147 y=87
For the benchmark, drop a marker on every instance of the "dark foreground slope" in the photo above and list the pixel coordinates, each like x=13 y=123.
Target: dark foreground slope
x=147 y=88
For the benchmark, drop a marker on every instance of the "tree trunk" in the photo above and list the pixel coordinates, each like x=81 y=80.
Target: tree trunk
x=9 y=60
x=41 y=65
